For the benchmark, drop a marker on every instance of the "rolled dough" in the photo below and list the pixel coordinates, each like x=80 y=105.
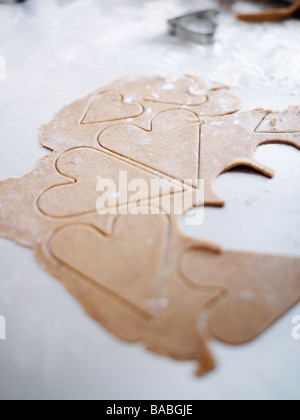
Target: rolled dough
x=138 y=275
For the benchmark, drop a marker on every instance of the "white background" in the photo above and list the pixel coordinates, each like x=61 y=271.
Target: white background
x=58 y=51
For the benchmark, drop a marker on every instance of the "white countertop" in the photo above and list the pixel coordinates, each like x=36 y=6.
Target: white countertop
x=59 y=50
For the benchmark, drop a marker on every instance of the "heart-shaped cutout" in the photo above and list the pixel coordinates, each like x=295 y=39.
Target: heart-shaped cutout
x=88 y=167
x=175 y=135
x=110 y=106
x=126 y=266
x=254 y=290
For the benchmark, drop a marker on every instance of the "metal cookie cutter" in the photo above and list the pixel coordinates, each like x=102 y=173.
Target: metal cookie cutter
x=198 y=27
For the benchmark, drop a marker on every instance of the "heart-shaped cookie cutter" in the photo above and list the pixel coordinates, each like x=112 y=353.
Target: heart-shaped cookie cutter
x=198 y=27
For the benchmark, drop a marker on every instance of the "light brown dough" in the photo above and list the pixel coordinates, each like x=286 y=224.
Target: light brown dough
x=112 y=107
x=20 y=216
x=272 y=15
x=254 y=288
x=175 y=134
x=231 y=141
x=141 y=295
x=67 y=130
x=84 y=167
x=281 y=122
x=140 y=276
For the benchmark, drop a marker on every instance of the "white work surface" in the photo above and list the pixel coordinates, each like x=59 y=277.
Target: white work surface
x=58 y=51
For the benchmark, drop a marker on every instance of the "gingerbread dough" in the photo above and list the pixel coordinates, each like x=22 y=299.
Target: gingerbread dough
x=138 y=275
x=272 y=15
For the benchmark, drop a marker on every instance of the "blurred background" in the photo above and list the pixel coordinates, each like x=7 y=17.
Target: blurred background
x=55 y=51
